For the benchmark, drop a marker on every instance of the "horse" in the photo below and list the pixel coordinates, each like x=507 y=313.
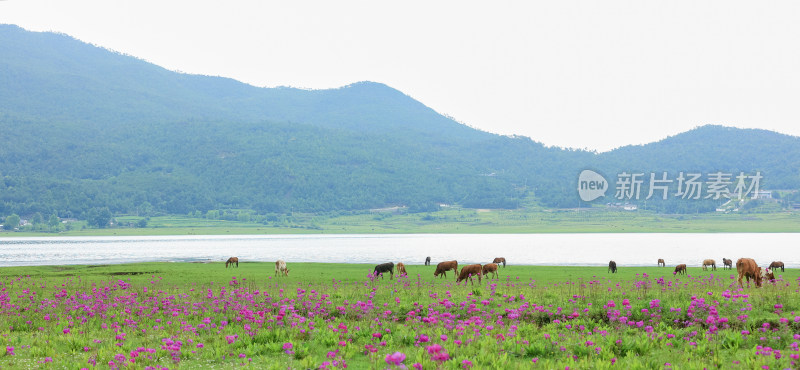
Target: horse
x=280 y=266
x=231 y=261
x=726 y=263
x=661 y=263
x=709 y=262
x=680 y=269
x=775 y=265
x=384 y=267
x=500 y=260
x=401 y=269
x=428 y=261
x=747 y=268
x=468 y=272
x=490 y=268
x=612 y=266
x=442 y=267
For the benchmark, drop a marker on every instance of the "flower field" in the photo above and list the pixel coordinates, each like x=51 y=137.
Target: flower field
x=189 y=315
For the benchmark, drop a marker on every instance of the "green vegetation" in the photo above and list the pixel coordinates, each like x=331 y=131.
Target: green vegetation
x=91 y=134
x=197 y=315
x=452 y=221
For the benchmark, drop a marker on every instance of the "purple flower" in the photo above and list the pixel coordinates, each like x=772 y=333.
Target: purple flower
x=434 y=349
x=441 y=357
x=396 y=358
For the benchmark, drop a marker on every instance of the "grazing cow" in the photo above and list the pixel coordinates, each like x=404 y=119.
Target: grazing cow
x=726 y=263
x=442 y=267
x=709 y=262
x=401 y=269
x=776 y=265
x=680 y=269
x=231 y=261
x=428 y=261
x=661 y=263
x=280 y=266
x=490 y=268
x=769 y=275
x=747 y=268
x=468 y=272
x=384 y=267
x=500 y=260
x=612 y=266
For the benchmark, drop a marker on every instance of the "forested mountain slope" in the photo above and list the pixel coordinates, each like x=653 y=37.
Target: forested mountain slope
x=85 y=128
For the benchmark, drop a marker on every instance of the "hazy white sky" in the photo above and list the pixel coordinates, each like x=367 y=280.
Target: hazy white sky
x=582 y=74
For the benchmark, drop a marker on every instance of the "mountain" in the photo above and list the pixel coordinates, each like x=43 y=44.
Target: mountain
x=55 y=77
x=84 y=128
x=717 y=148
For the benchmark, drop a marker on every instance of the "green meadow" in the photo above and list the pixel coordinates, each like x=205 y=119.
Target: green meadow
x=335 y=316
x=594 y=220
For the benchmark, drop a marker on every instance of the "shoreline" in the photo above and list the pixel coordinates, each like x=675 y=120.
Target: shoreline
x=451 y=221
x=249 y=232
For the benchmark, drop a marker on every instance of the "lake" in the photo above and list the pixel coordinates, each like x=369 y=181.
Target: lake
x=521 y=249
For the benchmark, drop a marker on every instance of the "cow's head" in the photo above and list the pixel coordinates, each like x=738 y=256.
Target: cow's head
x=769 y=275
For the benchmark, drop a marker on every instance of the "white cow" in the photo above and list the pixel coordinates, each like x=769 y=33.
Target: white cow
x=280 y=266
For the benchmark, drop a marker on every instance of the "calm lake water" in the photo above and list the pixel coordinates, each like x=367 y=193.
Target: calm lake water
x=520 y=249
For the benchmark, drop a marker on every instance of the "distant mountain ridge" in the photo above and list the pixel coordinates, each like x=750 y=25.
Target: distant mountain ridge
x=85 y=128
x=94 y=83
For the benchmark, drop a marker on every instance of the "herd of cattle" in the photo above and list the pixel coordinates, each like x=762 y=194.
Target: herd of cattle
x=467 y=272
x=441 y=269
x=746 y=267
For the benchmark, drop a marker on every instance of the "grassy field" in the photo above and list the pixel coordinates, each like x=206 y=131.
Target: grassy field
x=195 y=315
x=460 y=221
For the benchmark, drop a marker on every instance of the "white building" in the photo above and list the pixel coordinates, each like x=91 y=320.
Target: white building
x=764 y=194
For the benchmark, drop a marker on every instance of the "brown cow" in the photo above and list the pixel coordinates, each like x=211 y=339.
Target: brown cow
x=442 y=267
x=680 y=269
x=280 y=266
x=401 y=269
x=490 y=268
x=726 y=263
x=776 y=265
x=661 y=263
x=231 y=261
x=468 y=272
x=748 y=269
x=709 y=262
x=500 y=260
